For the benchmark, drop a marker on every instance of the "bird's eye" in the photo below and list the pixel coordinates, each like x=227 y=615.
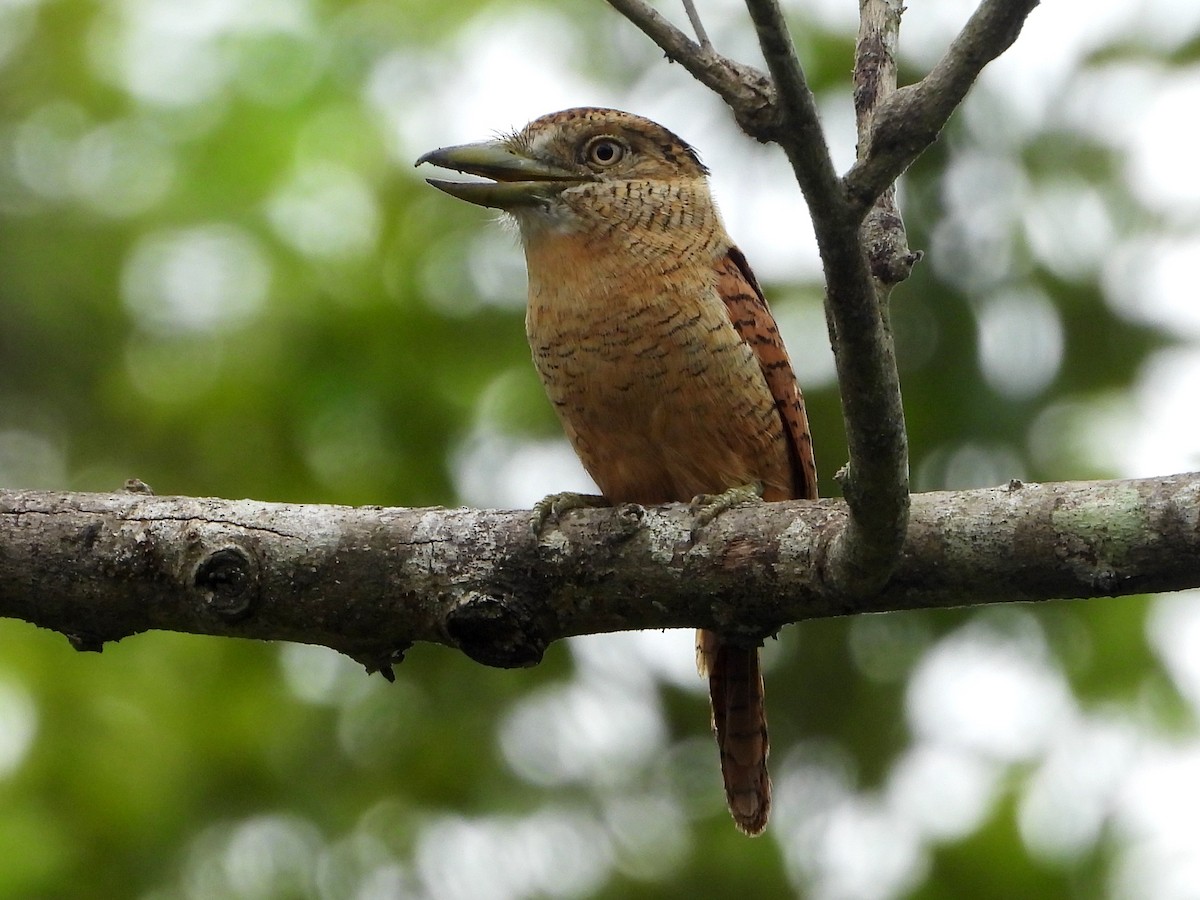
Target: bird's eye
x=604 y=151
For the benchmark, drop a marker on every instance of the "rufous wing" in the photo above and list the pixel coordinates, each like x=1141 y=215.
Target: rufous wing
x=752 y=318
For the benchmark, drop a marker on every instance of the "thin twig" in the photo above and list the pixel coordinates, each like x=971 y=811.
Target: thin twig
x=745 y=89
x=913 y=116
x=677 y=45
x=697 y=25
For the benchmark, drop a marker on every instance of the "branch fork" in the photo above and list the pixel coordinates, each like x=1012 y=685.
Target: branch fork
x=860 y=232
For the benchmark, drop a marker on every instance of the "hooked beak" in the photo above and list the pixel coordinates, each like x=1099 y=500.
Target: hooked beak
x=517 y=179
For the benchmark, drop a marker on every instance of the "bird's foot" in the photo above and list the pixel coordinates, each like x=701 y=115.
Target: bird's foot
x=551 y=508
x=706 y=507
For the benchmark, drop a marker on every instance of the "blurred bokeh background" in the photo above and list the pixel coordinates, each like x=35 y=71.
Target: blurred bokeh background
x=220 y=273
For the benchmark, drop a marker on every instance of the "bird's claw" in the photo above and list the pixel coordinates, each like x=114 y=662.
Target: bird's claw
x=551 y=508
x=706 y=507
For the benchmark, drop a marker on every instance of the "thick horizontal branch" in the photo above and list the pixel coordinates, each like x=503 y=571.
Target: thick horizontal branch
x=370 y=581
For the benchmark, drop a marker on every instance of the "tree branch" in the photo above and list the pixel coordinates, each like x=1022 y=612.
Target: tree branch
x=370 y=582
x=746 y=90
x=882 y=231
x=862 y=243
x=914 y=116
x=875 y=482
x=799 y=132
x=693 y=15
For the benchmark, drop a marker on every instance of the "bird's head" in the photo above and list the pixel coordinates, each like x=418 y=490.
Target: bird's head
x=559 y=161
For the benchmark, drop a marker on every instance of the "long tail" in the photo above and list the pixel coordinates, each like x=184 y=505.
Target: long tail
x=739 y=719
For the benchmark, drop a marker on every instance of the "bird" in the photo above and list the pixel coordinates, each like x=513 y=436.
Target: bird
x=657 y=350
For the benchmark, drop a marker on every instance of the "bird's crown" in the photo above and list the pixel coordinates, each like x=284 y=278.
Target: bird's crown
x=608 y=144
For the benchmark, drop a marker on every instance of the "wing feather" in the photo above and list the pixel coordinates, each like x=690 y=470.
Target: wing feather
x=752 y=318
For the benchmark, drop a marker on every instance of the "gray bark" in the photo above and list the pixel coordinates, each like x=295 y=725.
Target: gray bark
x=370 y=582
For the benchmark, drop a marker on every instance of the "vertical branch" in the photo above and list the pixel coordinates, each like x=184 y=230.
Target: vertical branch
x=875 y=482
x=697 y=24
x=882 y=231
x=797 y=127
x=859 y=231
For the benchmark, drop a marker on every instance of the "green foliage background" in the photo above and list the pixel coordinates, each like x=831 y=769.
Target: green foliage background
x=354 y=364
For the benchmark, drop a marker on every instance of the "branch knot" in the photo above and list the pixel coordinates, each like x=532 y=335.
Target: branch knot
x=495 y=631
x=229 y=579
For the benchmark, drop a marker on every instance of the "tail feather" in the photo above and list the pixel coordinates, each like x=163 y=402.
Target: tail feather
x=740 y=722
